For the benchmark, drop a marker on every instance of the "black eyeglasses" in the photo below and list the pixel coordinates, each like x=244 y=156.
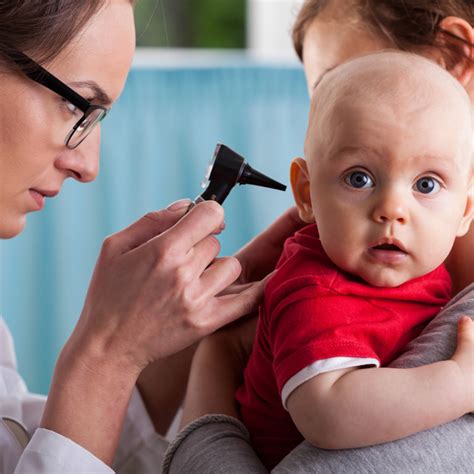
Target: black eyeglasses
x=92 y=113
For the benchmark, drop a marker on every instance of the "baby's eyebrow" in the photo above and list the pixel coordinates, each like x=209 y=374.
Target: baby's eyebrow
x=445 y=163
x=348 y=151
x=441 y=163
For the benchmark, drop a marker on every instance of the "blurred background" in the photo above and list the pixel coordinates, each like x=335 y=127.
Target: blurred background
x=205 y=72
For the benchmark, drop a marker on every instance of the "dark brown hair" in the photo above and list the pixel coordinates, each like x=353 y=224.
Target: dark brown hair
x=407 y=23
x=43 y=27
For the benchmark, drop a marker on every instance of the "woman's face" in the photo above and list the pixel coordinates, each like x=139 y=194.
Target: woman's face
x=34 y=162
x=337 y=34
x=333 y=37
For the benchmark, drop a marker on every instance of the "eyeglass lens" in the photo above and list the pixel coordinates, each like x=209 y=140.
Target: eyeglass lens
x=80 y=133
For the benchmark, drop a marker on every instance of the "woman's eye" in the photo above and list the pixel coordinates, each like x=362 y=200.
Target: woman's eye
x=359 y=180
x=427 y=185
x=72 y=108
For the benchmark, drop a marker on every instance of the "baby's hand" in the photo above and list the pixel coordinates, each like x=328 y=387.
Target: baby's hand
x=464 y=356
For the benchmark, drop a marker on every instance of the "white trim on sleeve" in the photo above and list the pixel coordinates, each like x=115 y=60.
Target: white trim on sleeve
x=320 y=367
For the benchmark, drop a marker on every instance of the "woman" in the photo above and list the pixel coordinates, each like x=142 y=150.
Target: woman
x=49 y=131
x=327 y=33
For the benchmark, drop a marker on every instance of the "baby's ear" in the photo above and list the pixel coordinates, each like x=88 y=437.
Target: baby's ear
x=300 y=184
x=468 y=211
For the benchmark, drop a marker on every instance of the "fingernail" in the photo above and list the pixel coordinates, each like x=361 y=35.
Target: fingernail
x=177 y=205
x=464 y=320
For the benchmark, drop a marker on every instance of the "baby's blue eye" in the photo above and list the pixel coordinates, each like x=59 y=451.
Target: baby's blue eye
x=359 y=180
x=427 y=185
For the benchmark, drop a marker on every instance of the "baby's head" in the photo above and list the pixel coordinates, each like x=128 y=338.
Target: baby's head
x=388 y=168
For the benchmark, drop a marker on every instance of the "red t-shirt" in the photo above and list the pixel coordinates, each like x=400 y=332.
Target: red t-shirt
x=316 y=318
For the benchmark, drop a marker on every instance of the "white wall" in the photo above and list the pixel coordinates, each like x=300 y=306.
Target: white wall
x=269 y=25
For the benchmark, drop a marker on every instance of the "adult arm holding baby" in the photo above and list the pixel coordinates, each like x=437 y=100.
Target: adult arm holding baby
x=354 y=408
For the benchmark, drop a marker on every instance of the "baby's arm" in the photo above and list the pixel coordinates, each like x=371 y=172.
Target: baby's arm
x=361 y=407
x=217 y=371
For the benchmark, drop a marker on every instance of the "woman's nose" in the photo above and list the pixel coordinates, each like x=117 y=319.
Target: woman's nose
x=82 y=163
x=390 y=207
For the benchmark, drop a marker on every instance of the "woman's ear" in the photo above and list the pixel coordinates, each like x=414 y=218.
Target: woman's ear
x=300 y=184
x=468 y=212
x=457 y=37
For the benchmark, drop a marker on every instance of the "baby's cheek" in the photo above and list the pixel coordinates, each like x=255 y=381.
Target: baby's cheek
x=433 y=254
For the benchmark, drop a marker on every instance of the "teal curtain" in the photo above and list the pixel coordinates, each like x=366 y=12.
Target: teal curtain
x=156 y=145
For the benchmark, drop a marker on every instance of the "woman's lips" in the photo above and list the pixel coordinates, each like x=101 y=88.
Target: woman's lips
x=38 y=199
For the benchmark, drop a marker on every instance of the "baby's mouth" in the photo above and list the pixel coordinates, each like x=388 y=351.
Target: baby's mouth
x=388 y=253
x=390 y=247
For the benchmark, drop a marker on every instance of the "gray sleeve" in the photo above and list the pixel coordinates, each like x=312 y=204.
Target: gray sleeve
x=446 y=449
x=216 y=444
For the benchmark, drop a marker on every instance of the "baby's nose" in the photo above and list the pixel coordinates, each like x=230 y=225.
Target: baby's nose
x=391 y=208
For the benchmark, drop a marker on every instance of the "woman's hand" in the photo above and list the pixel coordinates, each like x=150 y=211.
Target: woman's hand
x=156 y=285
x=155 y=291
x=460 y=262
x=259 y=257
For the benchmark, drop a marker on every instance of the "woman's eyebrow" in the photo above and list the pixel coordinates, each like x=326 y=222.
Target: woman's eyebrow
x=99 y=93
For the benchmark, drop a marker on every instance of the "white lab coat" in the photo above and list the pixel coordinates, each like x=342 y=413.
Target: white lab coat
x=27 y=449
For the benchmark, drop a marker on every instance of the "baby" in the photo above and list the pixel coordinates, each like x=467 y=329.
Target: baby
x=386 y=187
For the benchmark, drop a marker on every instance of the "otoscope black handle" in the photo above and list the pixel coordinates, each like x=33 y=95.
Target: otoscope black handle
x=217 y=191
x=214 y=192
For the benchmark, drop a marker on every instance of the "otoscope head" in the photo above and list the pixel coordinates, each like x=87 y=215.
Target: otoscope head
x=226 y=165
x=228 y=168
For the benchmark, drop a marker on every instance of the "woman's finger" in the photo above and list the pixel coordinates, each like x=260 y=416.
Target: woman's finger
x=232 y=307
x=236 y=288
x=239 y=287
x=203 y=220
x=218 y=276
x=203 y=254
x=146 y=228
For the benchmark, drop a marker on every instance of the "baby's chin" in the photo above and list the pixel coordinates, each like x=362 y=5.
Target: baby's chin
x=386 y=278
x=386 y=282
x=391 y=278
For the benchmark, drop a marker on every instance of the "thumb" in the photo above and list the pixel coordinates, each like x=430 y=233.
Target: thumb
x=465 y=331
x=149 y=226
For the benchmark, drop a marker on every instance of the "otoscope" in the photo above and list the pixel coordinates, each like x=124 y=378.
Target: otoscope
x=226 y=169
